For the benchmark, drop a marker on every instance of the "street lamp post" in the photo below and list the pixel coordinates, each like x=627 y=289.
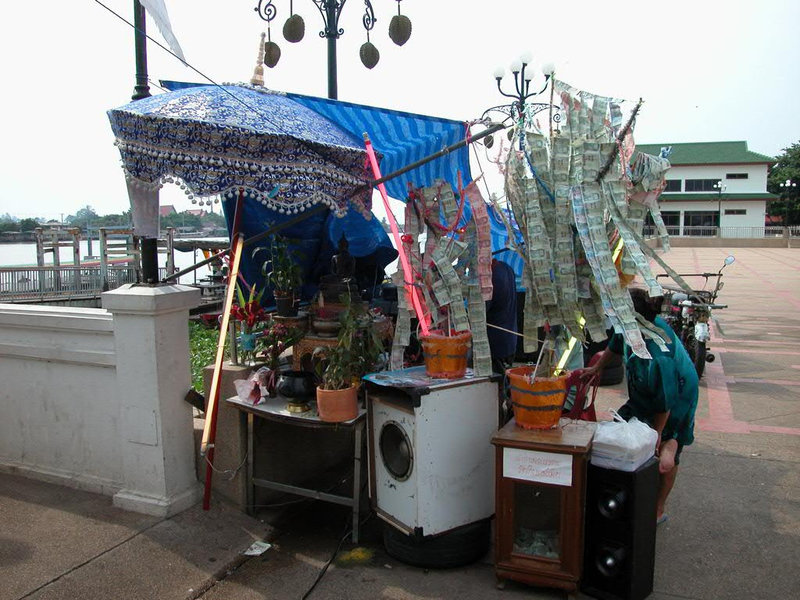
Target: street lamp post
x=330 y=10
x=788 y=189
x=149 y=246
x=523 y=74
x=720 y=188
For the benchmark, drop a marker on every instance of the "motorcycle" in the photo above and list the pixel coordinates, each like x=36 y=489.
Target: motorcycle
x=689 y=314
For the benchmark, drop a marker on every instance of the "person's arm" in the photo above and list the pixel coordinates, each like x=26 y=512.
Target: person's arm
x=604 y=357
x=659 y=422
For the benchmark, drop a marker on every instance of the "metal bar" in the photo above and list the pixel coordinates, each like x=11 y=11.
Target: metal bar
x=250 y=491
x=272 y=230
x=493 y=129
x=210 y=425
x=142 y=89
x=308 y=493
x=357 y=479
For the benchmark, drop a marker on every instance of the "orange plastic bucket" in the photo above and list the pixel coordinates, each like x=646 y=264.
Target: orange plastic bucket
x=538 y=403
x=446 y=356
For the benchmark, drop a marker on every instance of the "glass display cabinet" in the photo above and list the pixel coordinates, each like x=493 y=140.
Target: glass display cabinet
x=540 y=486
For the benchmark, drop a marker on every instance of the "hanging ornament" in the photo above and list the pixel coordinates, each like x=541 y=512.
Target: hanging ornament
x=295 y=28
x=258 y=72
x=272 y=53
x=399 y=27
x=369 y=54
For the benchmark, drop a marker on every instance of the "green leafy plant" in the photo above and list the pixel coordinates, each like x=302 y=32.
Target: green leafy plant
x=281 y=270
x=203 y=342
x=357 y=350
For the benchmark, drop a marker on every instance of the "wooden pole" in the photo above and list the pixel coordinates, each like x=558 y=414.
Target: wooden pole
x=210 y=426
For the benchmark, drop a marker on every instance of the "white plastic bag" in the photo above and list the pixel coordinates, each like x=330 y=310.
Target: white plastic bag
x=623 y=445
x=255 y=387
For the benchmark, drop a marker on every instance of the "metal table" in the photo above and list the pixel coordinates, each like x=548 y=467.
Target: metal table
x=274 y=409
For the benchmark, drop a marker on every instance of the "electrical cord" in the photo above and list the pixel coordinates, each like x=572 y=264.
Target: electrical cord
x=324 y=569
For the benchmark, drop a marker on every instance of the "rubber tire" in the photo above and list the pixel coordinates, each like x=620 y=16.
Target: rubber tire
x=697 y=353
x=455 y=548
x=613 y=373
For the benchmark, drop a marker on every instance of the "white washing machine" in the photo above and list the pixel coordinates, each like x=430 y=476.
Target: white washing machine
x=431 y=458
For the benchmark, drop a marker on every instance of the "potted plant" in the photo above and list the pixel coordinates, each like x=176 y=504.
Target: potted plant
x=249 y=314
x=283 y=275
x=275 y=339
x=356 y=354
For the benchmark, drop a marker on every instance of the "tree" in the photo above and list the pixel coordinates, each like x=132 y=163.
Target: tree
x=28 y=224
x=83 y=218
x=786 y=169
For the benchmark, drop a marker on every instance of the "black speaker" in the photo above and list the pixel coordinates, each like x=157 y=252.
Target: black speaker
x=620 y=534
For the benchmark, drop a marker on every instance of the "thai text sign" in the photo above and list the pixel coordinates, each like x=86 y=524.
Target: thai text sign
x=544 y=467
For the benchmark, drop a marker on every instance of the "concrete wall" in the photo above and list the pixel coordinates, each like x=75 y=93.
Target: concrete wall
x=60 y=418
x=756 y=183
x=93 y=398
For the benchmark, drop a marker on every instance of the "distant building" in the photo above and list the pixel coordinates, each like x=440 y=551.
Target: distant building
x=713 y=184
x=166 y=210
x=197 y=212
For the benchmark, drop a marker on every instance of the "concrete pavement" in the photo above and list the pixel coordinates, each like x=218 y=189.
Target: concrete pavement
x=733 y=531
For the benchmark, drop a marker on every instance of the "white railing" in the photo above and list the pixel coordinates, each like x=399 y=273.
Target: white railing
x=63 y=282
x=728 y=232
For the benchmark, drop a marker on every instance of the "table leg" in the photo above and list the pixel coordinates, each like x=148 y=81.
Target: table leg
x=357 y=479
x=249 y=487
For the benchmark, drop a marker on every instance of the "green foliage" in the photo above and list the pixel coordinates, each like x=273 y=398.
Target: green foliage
x=202 y=350
x=82 y=218
x=120 y=220
x=28 y=224
x=357 y=350
x=787 y=168
x=183 y=219
x=281 y=270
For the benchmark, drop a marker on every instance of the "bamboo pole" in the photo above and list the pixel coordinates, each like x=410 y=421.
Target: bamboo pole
x=210 y=425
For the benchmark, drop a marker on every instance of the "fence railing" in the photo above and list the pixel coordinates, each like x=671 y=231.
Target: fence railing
x=49 y=283
x=727 y=232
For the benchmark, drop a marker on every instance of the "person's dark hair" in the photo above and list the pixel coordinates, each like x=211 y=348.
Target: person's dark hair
x=645 y=305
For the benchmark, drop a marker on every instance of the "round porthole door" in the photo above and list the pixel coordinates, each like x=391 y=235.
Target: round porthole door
x=397 y=452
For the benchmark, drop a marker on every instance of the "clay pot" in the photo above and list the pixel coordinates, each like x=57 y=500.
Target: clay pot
x=335 y=406
x=326 y=327
x=284 y=305
x=446 y=355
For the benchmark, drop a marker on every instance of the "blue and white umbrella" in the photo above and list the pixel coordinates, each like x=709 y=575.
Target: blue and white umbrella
x=215 y=140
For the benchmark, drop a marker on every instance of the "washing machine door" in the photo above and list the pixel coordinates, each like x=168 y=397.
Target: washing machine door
x=394 y=457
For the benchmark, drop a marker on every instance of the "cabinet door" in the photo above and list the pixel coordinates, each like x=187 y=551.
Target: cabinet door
x=540 y=526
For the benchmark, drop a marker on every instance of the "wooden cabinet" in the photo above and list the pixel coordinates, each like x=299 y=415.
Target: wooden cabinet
x=540 y=480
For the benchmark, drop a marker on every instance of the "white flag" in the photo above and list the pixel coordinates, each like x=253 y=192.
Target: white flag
x=158 y=11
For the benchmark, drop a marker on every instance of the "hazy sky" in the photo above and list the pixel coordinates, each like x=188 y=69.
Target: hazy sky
x=708 y=70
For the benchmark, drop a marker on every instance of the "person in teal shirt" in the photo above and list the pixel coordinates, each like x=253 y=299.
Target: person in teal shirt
x=662 y=391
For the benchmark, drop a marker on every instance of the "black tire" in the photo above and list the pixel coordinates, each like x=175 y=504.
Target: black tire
x=613 y=373
x=697 y=353
x=455 y=548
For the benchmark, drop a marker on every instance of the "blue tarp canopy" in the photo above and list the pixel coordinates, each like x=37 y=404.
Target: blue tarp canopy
x=400 y=138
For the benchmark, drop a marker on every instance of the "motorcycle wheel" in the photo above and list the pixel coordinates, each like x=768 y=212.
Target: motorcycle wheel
x=697 y=352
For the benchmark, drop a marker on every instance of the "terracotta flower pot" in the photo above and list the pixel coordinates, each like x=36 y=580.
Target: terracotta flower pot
x=446 y=355
x=335 y=406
